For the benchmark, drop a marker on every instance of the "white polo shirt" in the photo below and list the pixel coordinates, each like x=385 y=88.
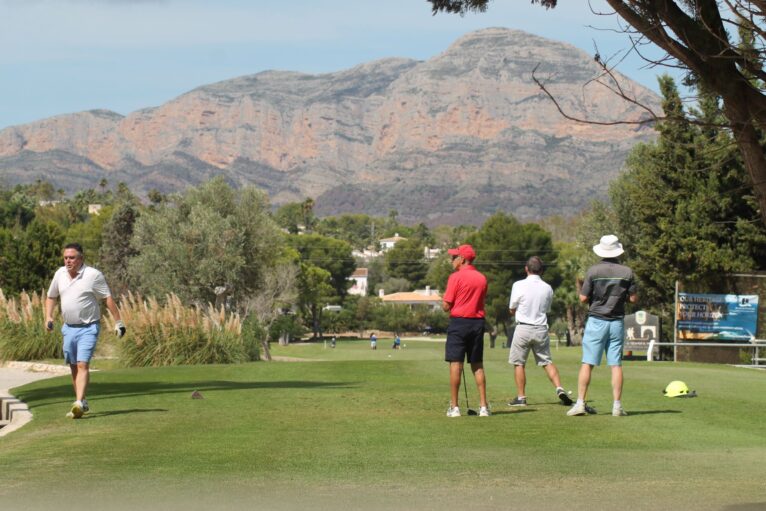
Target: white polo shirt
x=79 y=295
x=532 y=298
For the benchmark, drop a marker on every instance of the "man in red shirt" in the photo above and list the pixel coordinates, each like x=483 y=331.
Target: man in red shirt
x=464 y=300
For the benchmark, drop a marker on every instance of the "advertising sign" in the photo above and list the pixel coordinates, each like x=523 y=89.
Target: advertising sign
x=716 y=317
x=642 y=327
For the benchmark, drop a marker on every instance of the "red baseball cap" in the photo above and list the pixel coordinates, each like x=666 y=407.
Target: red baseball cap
x=465 y=251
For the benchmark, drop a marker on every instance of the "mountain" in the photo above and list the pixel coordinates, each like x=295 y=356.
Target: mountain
x=448 y=140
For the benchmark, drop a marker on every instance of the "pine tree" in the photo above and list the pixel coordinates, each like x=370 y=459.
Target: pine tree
x=681 y=207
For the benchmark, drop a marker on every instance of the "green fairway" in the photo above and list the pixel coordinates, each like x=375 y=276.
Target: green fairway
x=362 y=429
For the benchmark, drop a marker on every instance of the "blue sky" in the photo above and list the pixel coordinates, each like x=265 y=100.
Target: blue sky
x=63 y=56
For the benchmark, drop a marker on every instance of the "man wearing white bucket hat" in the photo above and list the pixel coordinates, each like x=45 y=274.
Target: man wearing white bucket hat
x=607 y=285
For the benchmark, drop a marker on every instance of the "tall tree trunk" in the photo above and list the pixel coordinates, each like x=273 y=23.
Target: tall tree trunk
x=752 y=151
x=314 y=321
x=266 y=350
x=571 y=327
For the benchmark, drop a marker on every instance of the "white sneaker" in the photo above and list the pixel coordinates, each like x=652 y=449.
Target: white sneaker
x=484 y=412
x=453 y=411
x=617 y=411
x=577 y=409
x=76 y=411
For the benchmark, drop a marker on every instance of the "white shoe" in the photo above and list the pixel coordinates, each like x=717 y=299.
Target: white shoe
x=577 y=409
x=76 y=411
x=484 y=412
x=619 y=412
x=453 y=411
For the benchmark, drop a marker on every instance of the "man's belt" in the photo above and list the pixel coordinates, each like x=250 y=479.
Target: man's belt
x=81 y=325
x=528 y=324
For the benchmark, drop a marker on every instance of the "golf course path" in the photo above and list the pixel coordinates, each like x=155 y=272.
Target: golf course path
x=14 y=413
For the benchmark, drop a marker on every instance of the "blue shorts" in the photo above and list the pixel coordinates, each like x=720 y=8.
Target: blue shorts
x=465 y=340
x=79 y=342
x=603 y=336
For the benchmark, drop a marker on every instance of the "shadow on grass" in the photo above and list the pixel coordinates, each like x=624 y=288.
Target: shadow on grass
x=515 y=411
x=556 y=403
x=63 y=392
x=651 y=412
x=97 y=415
x=752 y=506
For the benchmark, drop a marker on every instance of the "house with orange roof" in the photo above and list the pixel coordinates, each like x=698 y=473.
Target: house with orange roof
x=419 y=298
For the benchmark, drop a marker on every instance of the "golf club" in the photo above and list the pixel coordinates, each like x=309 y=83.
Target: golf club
x=465 y=389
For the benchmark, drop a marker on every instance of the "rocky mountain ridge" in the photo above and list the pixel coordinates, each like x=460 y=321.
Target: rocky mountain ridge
x=447 y=140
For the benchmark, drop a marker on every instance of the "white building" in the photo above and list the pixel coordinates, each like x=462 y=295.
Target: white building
x=389 y=243
x=359 y=287
x=365 y=254
x=431 y=253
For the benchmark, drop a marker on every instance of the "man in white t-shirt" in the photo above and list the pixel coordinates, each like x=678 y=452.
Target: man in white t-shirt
x=80 y=289
x=530 y=302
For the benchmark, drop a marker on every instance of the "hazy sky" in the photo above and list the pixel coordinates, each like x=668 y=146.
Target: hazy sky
x=62 y=56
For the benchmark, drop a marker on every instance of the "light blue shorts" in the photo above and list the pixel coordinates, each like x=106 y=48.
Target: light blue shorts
x=79 y=342
x=603 y=336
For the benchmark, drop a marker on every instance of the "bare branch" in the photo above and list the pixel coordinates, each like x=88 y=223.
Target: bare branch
x=542 y=87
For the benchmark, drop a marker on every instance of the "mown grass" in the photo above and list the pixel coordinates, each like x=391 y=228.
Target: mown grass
x=357 y=429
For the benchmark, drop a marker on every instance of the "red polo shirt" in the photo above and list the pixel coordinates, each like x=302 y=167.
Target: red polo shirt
x=466 y=289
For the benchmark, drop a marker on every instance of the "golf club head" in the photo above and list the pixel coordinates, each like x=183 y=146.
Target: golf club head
x=471 y=411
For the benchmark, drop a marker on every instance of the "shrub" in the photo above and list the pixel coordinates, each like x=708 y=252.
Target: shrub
x=22 y=330
x=286 y=328
x=394 y=318
x=172 y=334
x=436 y=319
x=253 y=334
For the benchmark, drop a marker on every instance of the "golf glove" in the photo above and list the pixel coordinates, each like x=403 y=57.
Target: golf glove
x=119 y=328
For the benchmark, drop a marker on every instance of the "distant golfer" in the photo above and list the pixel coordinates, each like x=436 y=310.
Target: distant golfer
x=464 y=300
x=607 y=286
x=530 y=302
x=373 y=341
x=80 y=288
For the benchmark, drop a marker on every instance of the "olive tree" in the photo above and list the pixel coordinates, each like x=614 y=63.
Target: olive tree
x=211 y=244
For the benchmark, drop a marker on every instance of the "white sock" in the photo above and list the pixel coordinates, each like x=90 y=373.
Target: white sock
x=580 y=402
x=617 y=404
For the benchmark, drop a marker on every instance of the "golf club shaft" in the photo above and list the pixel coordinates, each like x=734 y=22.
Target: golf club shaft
x=465 y=388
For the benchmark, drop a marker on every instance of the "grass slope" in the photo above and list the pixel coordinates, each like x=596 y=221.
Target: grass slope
x=363 y=429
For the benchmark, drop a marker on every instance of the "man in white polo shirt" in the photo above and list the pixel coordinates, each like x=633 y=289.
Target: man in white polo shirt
x=530 y=302
x=80 y=288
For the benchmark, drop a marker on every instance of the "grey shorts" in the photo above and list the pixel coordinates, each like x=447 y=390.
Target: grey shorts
x=529 y=337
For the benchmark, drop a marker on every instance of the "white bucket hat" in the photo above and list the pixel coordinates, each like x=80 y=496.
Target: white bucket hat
x=609 y=246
